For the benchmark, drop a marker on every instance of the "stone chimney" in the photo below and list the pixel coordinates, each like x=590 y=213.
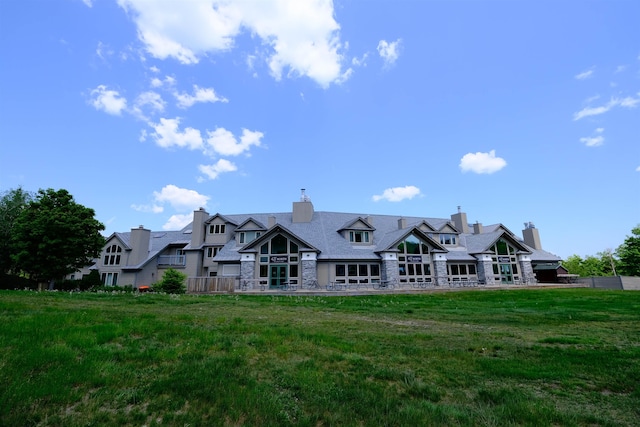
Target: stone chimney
x=460 y=221
x=139 y=242
x=402 y=223
x=531 y=235
x=477 y=228
x=198 y=230
x=302 y=210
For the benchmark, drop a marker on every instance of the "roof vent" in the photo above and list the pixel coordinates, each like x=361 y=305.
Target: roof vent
x=303 y=196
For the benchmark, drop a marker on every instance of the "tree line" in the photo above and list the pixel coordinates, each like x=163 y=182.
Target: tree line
x=624 y=261
x=46 y=236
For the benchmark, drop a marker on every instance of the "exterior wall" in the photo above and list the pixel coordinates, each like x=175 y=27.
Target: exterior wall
x=389 y=267
x=440 y=275
x=248 y=269
x=309 y=268
x=526 y=269
x=485 y=270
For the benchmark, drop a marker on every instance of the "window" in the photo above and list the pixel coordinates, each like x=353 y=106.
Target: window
x=213 y=251
x=358 y=273
x=248 y=236
x=217 y=228
x=448 y=239
x=412 y=246
x=359 y=236
x=461 y=271
x=110 y=279
x=112 y=255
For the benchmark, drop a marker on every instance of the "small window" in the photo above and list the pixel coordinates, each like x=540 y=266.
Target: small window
x=340 y=270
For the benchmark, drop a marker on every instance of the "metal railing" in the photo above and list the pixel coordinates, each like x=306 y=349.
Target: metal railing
x=179 y=260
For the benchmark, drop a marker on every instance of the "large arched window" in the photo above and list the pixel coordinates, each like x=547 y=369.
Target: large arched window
x=278 y=260
x=112 y=255
x=505 y=262
x=414 y=262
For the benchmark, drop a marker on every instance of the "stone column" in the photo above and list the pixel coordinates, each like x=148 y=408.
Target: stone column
x=389 y=271
x=485 y=269
x=308 y=265
x=526 y=269
x=247 y=270
x=440 y=270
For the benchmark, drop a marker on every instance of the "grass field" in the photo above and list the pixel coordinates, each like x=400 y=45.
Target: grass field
x=562 y=357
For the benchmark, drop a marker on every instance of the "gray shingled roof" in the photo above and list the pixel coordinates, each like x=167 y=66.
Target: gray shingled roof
x=322 y=233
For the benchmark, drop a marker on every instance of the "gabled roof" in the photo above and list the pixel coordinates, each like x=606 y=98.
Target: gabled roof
x=481 y=243
x=158 y=242
x=353 y=225
x=448 y=228
x=391 y=240
x=251 y=224
x=223 y=217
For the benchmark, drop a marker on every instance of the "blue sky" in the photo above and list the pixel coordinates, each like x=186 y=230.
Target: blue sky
x=516 y=111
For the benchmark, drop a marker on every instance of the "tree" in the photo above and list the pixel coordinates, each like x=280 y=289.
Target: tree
x=12 y=203
x=629 y=254
x=172 y=282
x=55 y=236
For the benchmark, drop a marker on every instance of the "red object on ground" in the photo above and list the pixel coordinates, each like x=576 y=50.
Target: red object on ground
x=143 y=289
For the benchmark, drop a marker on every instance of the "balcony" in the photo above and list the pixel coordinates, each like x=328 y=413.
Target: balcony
x=172 y=260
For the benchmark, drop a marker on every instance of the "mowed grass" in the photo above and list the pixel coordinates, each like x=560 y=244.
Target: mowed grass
x=557 y=357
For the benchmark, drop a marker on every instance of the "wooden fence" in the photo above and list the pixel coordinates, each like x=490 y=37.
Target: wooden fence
x=202 y=285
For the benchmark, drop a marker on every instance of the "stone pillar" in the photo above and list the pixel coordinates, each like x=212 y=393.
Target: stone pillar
x=485 y=269
x=308 y=265
x=247 y=271
x=389 y=271
x=440 y=270
x=526 y=269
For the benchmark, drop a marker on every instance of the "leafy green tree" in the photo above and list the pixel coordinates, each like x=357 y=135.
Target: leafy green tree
x=55 y=236
x=172 y=282
x=604 y=264
x=629 y=254
x=12 y=203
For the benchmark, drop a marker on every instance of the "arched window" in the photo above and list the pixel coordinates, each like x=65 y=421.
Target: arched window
x=112 y=255
x=414 y=262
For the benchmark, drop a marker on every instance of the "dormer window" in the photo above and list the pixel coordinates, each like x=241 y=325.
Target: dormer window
x=248 y=236
x=448 y=239
x=217 y=229
x=359 y=236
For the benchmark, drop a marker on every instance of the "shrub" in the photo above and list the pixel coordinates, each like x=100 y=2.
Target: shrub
x=172 y=282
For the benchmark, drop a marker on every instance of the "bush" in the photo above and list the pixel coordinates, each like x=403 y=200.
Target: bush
x=11 y=282
x=172 y=282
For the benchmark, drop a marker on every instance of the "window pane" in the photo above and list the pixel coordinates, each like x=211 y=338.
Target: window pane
x=279 y=245
x=293 y=271
x=472 y=269
x=264 y=271
x=454 y=270
x=293 y=248
x=375 y=270
x=352 y=270
x=363 y=270
x=463 y=269
x=340 y=270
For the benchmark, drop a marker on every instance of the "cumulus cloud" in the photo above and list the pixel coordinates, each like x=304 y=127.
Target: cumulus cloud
x=223 y=142
x=482 y=163
x=585 y=74
x=213 y=171
x=594 y=140
x=389 y=51
x=153 y=208
x=180 y=199
x=167 y=134
x=301 y=36
x=397 y=194
x=107 y=100
x=626 y=102
x=177 y=221
x=199 y=95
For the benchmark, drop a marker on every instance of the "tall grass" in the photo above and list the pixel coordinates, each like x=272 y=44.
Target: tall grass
x=521 y=357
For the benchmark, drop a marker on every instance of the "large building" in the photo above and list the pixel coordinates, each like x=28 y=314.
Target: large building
x=314 y=248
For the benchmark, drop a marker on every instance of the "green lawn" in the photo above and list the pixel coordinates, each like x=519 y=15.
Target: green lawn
x=492 y=358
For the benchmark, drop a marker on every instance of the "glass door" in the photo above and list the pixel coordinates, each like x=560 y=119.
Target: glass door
x=277 y=275
x=506 y=275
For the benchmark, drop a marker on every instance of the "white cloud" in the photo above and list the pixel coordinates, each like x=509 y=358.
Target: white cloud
x=397 y=194
x=626 y=102
x=594 y=141
x=389 y=52
x=89 y=3
x=180 y=199
x=177 y=221
x=482 y=162
x=147 y=101
x=213 y=171
x=167 y=134
x=301 y=36
x=148 y=208
x=199 y=95
x=638 y=169
x=222 y=141
x=108 y=100
x=584 y=75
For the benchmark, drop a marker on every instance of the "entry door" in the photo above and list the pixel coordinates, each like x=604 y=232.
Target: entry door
x=277 y=275
x=505 y=273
